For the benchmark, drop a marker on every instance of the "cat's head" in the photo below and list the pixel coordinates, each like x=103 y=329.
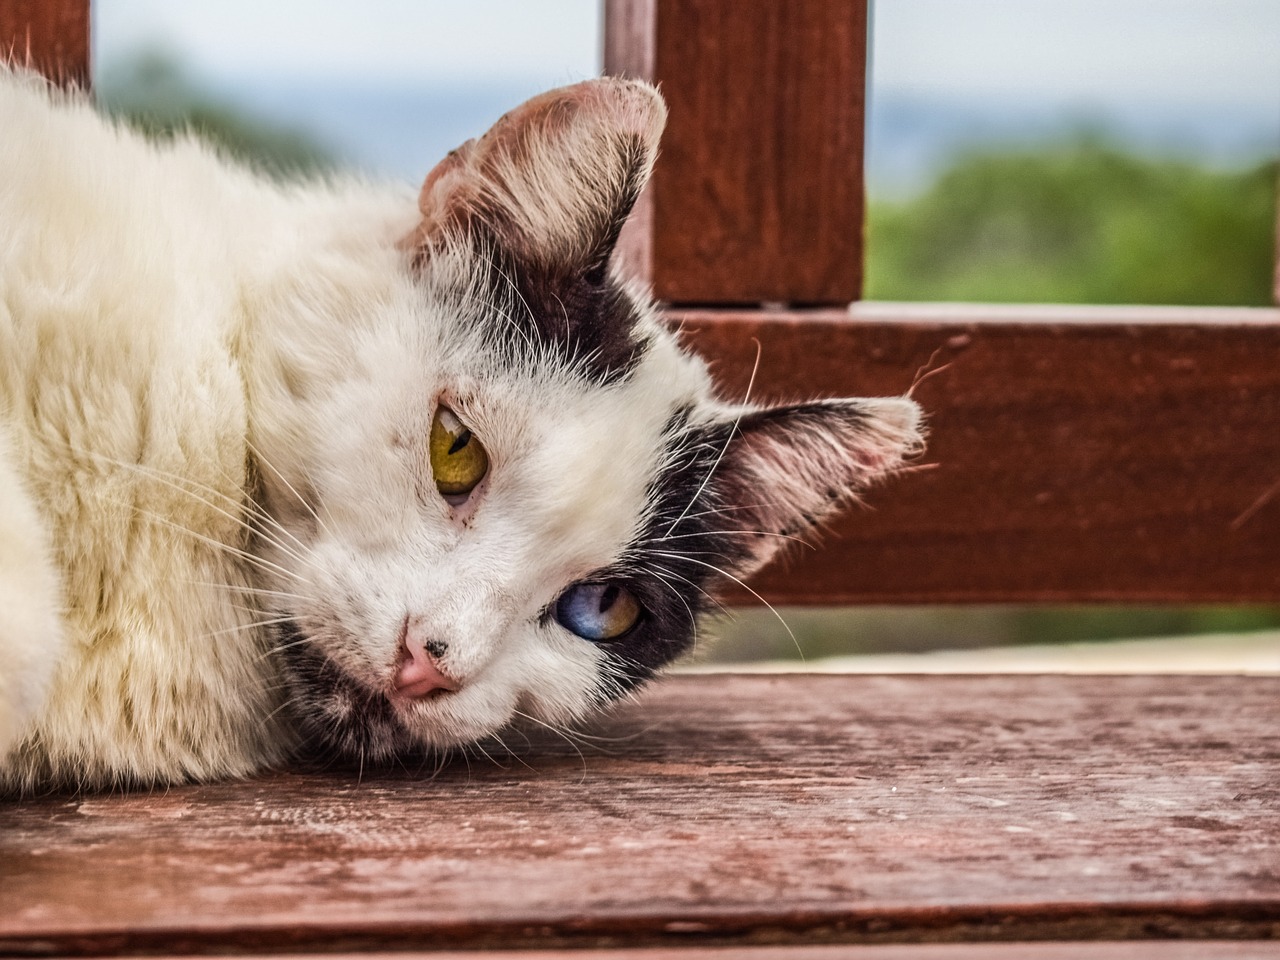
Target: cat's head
x=522 y=492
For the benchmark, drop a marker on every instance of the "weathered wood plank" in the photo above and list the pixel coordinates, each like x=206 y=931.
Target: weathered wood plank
x=718 y=810
x=1126 y=950
x=50 y=35
x=757 y=195
x=1076 y=453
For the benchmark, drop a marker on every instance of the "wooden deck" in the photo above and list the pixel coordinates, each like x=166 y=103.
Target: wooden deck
x=731 y=810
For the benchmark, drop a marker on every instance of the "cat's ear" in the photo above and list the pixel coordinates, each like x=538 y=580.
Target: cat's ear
x=552 y=181
x=787 y=469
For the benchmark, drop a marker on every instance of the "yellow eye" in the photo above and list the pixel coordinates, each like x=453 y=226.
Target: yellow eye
x=458 y=461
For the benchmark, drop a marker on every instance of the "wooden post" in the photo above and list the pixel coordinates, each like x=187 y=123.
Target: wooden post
x=51 y=36
x=757 y=196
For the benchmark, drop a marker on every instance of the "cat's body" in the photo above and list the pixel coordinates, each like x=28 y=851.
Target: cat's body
x=225 y=527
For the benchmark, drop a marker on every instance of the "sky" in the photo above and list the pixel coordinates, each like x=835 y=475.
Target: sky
x=1208 y=51
x=387 y=83
x=371 y=41
x=1194 y=51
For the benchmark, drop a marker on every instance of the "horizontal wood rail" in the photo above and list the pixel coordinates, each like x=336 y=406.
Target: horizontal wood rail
x=1076 y=453
x=729 y=810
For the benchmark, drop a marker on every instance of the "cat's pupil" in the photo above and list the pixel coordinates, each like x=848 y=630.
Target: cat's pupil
x=597 y=611
x=463 y=439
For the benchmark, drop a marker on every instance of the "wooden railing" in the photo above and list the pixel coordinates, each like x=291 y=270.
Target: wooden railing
x=1076 y=453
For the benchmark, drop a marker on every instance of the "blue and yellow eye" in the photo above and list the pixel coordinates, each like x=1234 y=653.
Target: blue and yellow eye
x=597 y=611
x=458 y=461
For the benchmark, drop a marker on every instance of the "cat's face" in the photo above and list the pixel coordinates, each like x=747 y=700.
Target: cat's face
x=523 y=493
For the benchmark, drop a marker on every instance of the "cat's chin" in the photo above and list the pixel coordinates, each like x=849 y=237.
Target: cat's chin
x=342 y=719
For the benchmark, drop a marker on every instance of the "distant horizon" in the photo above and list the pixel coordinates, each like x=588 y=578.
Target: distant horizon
x=401 y=83
x=399 y=129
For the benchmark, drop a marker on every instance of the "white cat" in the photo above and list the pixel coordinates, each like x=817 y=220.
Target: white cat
x=321 y=466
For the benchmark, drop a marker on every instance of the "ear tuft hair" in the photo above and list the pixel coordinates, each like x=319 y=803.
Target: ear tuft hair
x=553 y=180
x=787 y=469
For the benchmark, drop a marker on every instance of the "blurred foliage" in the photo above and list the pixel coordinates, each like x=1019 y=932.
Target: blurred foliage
x=1078 y=221
x=757 y=634
x=154 y=94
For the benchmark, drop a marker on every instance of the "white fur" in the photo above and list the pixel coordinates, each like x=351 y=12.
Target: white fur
x=190 y=354
x=162 y=314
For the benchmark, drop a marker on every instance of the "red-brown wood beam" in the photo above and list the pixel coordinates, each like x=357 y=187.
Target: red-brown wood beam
x=51 y=36
x=757 y=195
x=715 y=813
x=1076 y=453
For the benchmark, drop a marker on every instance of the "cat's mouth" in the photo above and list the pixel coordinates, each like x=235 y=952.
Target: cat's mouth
x=334 y=711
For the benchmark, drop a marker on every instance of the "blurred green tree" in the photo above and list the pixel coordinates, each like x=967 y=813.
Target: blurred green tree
x=153 y=93
x=1078 y=221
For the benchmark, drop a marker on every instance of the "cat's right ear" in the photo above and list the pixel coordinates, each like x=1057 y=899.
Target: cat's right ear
x=552 y=182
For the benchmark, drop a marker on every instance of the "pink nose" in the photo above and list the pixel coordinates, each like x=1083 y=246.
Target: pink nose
x=419 y=673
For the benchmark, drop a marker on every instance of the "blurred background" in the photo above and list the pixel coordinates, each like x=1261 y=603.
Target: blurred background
x=1070 y=151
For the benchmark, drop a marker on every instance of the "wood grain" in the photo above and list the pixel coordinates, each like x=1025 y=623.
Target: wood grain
x=1124 y=950
x=757 y=195
x=718 y=810
x=50 y=35
x=1075 y=454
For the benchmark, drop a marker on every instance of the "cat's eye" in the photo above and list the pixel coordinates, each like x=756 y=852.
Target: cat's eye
x=458 y=461
x=597 y=611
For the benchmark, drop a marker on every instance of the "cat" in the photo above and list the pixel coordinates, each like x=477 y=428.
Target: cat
x=352 y=469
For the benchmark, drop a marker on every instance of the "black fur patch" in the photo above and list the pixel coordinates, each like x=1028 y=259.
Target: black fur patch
x=586 y=318
x=590 y=321
x=579 y=308
x=336 y=716
x=685 y=555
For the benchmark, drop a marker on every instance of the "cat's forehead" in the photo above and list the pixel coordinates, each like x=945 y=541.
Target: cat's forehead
x=583 y=457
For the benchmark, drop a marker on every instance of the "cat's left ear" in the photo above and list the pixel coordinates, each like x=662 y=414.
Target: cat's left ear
x=553 y=181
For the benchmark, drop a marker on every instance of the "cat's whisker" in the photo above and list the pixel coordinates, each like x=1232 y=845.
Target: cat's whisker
x=238 y=588
x=285 y=480
x=736 y=508
x=182 y=484
x=559 y=733
x=280 y=648
x=511 y=284
x=187 y=486
x=513 y=323
x=724 y=449
x=284 y=706
x=725 y=573
x=693 y=620
x=737 y=533
x=240 y=628
x=250 y=558
x=485 y=753
x=511 y=753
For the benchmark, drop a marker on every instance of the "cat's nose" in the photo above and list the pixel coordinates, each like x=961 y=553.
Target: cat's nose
x=418 y=672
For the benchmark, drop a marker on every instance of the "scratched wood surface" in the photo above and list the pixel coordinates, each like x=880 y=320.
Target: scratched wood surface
x=1075 y=453
x=757 y=194
x=50 y=35
x=1126 y=950
x=718 y=810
